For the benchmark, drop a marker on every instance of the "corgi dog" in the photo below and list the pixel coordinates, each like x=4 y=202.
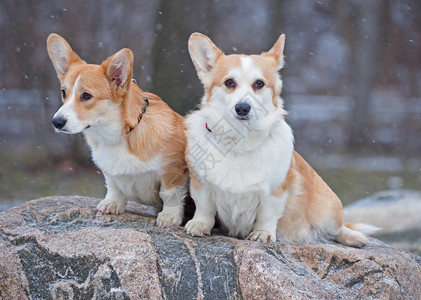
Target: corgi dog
x=135 y=138
x=241 y=158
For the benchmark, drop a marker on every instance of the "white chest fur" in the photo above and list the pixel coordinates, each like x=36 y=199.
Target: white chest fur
x=261 y=169
x=115 y=159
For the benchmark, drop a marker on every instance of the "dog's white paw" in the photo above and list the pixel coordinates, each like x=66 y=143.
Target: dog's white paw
x=262 y=236
x=359 y=242
x=357 y=239
x=110 y=206
x=169 y=218
x=197 y=228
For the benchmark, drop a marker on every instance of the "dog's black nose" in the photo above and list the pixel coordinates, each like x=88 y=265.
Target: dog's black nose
x=242 y=108
x=59 y=122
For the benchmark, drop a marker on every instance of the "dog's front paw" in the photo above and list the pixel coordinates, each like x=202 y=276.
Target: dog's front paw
x=169 y=218
x=262 y=236
x=110 y=206
x=197 y=228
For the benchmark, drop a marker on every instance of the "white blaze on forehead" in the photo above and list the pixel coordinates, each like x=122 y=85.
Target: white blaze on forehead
x=73 y=94
x=67 y=109
x=245 y=75
x=250 y=68
x=246 y=62
x=247 y=72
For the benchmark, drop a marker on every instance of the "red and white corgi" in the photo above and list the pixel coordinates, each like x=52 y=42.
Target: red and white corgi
x=240 y=153
x=136 y=139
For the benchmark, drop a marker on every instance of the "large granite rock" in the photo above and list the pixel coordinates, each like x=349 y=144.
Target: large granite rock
x=62 y=248
x=397 y=212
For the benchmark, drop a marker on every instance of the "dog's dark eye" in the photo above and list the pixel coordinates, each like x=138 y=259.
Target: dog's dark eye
x=86 y=96
x=229 y=83
x=63 y=94
x=259 y=84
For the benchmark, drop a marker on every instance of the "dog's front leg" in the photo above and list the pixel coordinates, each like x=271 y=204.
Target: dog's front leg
x=269 y=212
x=204 y=216
x=173 y=206
x=114 y=201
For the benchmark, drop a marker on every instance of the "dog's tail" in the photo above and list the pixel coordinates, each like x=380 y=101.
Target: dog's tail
x=363 y=228
x=355 y=234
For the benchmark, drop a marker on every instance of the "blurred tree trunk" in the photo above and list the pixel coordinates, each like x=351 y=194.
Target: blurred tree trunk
x=19 y=41
x=174 y=78
x=367 y=58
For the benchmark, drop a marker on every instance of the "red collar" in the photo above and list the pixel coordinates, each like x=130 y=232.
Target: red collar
x=206 y=125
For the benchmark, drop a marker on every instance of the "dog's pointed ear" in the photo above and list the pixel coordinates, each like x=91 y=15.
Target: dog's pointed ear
x=203 y=53
x=277 y=51
x=119 y=70
x=61 y=54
